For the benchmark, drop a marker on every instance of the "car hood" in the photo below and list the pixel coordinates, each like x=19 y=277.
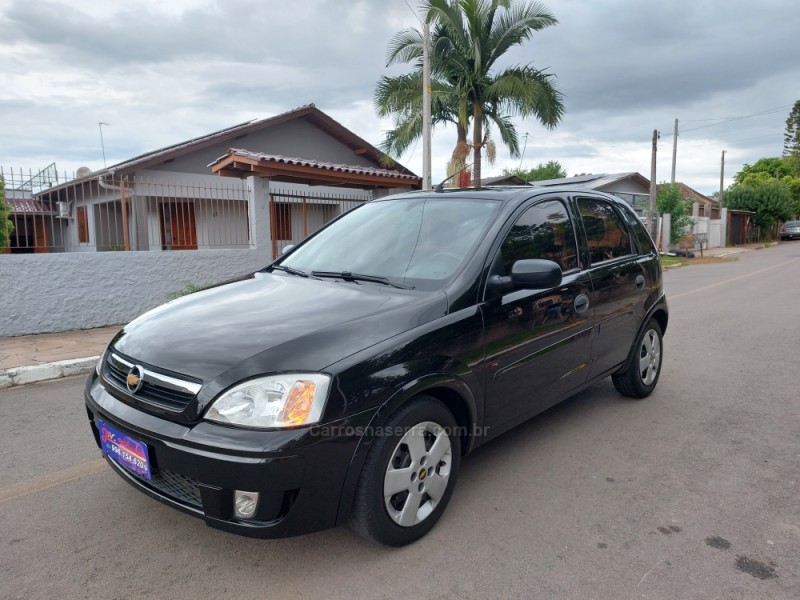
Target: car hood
x=273 y=323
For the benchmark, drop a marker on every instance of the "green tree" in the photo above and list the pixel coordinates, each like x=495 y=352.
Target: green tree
x=785 y=170
x=400 y=97
x=6 y=226
x=551 y=170
x=468 y=38
x=791 y=138
x=793 y=184
x=770 y=200
x=670 y=201
x=772 y=167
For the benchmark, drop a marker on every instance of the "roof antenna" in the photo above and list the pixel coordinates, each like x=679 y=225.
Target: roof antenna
x=439 y=187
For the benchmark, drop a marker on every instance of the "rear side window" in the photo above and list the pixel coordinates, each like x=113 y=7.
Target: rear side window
x=543 y=231
x=606 y=235
x=638 y=229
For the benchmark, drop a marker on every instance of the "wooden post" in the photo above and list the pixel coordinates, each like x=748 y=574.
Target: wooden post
x=272 y=229
x=124 y=214
x=305 y=219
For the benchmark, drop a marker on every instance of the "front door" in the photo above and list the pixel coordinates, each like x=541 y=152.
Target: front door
x=537 y=341
x=178 y=226
x=40 y=234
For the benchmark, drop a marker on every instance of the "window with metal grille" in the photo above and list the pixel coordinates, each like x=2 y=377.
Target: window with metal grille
x=282 y=221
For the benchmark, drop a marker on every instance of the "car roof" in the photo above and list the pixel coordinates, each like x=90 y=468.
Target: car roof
x=508 y=193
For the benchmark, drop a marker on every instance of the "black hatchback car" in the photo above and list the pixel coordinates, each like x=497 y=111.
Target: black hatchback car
x=344 y=382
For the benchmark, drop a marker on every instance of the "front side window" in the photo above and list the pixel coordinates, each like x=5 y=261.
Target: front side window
x=543 y=231
x=606 y=235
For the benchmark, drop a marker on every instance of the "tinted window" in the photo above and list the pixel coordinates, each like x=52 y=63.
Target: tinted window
x=605 y=233
x=543 y=231
x=636 y=226
x=422 y=240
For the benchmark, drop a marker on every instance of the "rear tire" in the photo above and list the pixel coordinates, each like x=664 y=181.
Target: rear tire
x=640 y=376
x=409 y=474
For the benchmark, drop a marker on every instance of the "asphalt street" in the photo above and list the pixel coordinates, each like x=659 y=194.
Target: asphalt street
x=691 y=493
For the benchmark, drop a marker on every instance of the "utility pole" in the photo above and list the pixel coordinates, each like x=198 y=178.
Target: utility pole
x=525 y=147
x=653 y=217
x=426 y=106
x=102 y=144
x=674 y=150
x=722 y=180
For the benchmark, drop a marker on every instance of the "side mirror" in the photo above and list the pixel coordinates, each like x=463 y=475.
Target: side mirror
x=535 y=274
x=286 y=249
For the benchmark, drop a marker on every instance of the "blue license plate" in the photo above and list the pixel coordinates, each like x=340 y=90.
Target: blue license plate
x=130 y=453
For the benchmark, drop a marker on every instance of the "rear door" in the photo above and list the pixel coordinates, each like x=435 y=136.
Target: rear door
x=537 y=341
x=619 y=281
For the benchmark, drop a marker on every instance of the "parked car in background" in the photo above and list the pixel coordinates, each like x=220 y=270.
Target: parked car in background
x=790 y=230
x=344 y=382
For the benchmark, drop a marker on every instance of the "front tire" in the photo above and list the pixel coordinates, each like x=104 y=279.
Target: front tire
x=640 y=376
x=409 y=474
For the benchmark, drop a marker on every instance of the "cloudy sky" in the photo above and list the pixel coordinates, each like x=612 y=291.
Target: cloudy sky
x=163 y=72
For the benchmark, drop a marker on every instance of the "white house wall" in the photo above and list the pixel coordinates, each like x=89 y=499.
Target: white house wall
x=58 y=292
x=89 y=195
x=626 y=186
x=222 y=224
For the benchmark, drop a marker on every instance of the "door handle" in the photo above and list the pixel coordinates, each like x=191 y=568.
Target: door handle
x=640 y=281
x=581 y=303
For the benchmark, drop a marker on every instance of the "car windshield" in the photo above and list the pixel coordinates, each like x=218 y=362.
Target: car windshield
x=421 y=242
x=792 y=224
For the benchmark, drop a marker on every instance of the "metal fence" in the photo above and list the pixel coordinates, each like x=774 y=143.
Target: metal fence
x=52 y=212
x=295 y=215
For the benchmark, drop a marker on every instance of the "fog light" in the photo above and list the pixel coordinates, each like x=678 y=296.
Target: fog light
x=245 y=504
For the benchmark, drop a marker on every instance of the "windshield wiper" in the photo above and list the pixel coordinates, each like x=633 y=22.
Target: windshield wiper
x=348 y=276
x=291 y=270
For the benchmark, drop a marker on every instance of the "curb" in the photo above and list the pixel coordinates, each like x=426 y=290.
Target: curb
x=46 y=371
x=729 y=252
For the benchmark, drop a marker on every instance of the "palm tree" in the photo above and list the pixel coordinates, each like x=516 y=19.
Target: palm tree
x=401 y=98
x=469 y=37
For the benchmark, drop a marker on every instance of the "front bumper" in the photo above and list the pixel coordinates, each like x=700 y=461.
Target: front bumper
x=299 y=474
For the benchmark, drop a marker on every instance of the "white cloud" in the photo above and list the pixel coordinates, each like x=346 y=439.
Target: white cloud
x=162 y=72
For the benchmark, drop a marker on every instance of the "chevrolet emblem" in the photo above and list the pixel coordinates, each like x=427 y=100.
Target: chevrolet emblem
x=135 y=379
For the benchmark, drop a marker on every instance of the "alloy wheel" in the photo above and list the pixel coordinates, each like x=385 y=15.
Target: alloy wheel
x=417 y=475
x=649 y=356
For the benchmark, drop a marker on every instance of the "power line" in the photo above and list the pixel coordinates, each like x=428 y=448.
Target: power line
x=717 y=143
x=663 y=145
x=728 y=120
x=413 y=11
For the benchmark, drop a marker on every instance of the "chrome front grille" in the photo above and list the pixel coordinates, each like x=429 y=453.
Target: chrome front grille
x=159 y=389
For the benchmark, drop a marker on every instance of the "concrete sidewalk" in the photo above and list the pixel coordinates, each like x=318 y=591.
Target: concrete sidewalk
x=731 y=250
x=31 y=358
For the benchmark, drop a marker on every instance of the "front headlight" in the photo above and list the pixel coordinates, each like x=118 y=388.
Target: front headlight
x=275 y=401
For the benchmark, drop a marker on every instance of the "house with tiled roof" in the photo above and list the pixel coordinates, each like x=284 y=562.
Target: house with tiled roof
x=632 y=187
x=312 y=168
x=706 y=207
